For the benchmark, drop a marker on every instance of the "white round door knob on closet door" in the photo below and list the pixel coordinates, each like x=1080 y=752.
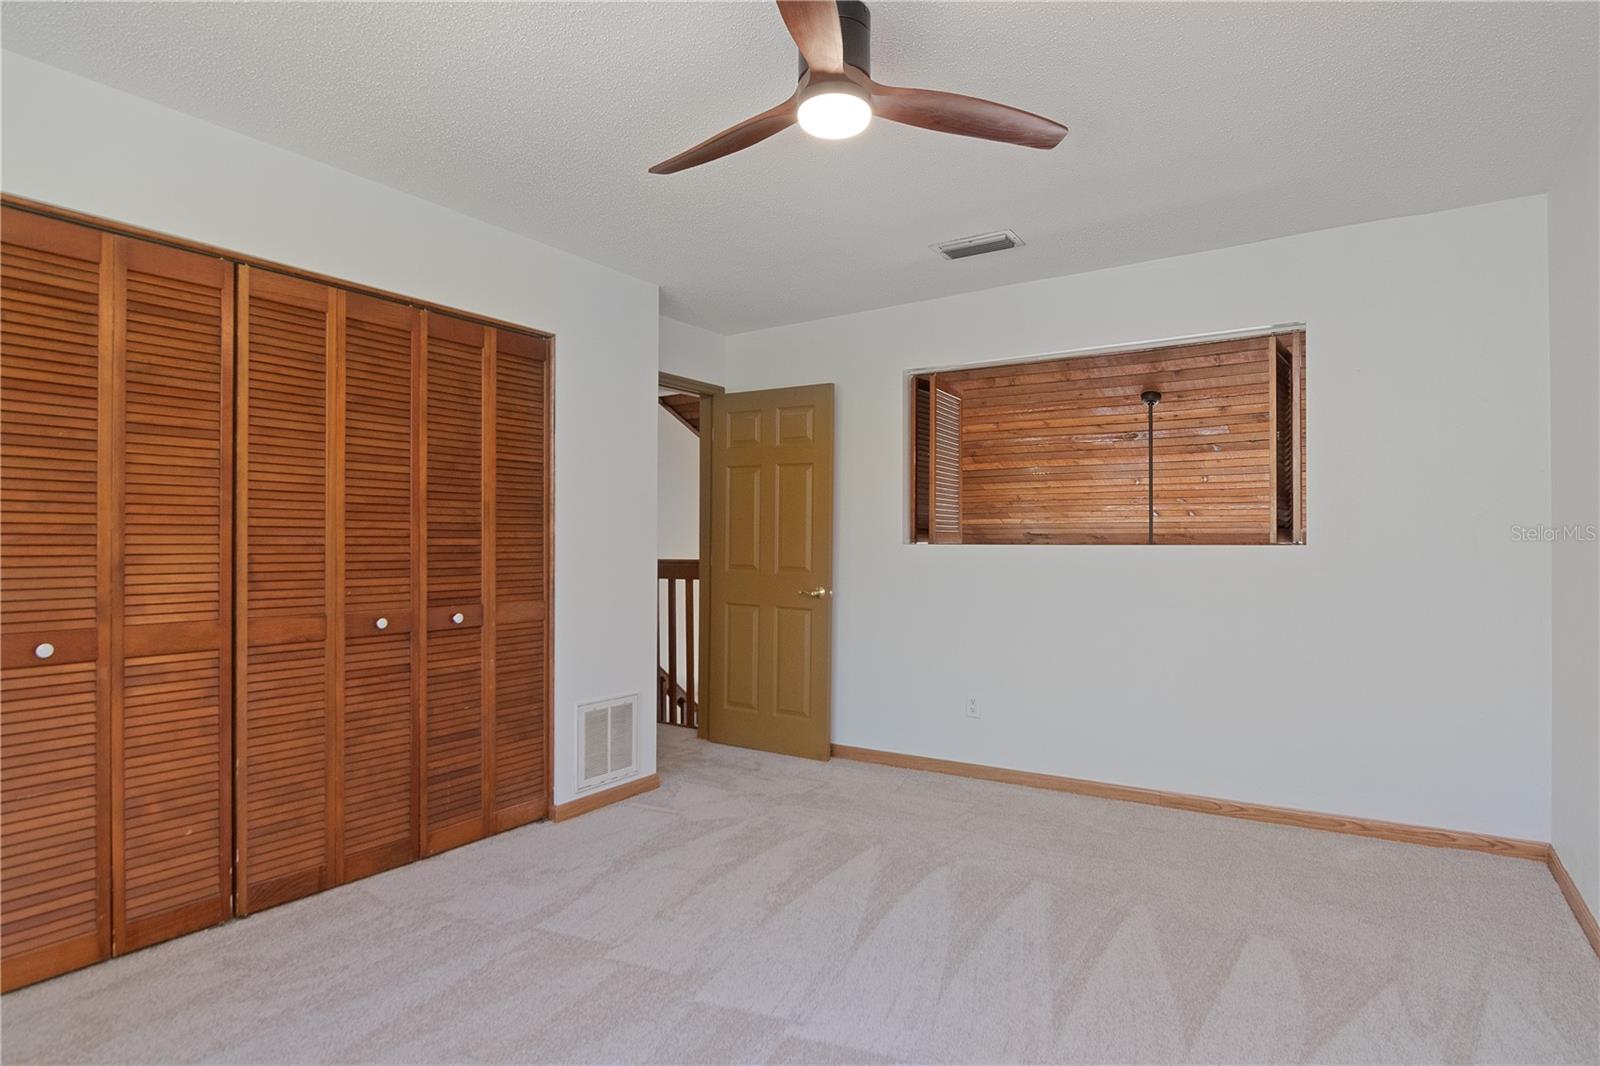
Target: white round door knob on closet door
x=458 y=618
x=382 y=623
x=44 y=651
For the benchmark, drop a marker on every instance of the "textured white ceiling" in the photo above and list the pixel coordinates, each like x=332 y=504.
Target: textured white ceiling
x=1193 y=126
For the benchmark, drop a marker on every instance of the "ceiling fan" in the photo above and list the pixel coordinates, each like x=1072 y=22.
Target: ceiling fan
x=837 y=98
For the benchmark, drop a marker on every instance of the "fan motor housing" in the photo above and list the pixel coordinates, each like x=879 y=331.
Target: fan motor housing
x=855 y=25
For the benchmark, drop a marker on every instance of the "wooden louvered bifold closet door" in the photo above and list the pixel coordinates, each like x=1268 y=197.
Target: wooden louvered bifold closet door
x=172 y=725
x=285 y=668
x=518 y=768
x=329 y=450
x=457 y=677
x=382 y=579
x=114 y=705
x=484 y=762
x=55 y=676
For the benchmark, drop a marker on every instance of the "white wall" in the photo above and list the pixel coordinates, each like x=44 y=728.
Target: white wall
x=1575 y=501
x=678 y=488
x=677 y=521
x=1397 y=667
x=692 y=352
x=78 y=144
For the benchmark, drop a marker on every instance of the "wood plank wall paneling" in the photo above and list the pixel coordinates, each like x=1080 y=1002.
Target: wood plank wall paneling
x=1056 y=451
x=225 y=547
x=115 y=715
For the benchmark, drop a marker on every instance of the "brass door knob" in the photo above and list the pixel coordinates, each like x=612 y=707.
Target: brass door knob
x=817 y=593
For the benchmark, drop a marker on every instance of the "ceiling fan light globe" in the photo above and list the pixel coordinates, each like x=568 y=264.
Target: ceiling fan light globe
x=834 y=115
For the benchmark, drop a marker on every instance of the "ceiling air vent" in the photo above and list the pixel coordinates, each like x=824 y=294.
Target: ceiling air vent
x=979 y=245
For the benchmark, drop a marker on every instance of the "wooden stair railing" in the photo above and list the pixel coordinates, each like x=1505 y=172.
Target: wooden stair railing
x=686 y=407
x=673 y=705
x=675 y=694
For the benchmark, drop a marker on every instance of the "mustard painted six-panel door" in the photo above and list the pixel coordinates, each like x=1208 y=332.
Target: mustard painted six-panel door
x=274 y=605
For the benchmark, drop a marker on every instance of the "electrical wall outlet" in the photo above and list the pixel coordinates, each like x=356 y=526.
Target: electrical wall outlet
x=972 y=707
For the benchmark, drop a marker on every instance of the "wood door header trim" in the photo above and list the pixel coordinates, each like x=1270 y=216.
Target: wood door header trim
x=64 y=214
x=1255 y=812
x=679 y=383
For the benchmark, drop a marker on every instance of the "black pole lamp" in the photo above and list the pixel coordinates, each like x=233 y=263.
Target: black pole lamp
x=1151 y=397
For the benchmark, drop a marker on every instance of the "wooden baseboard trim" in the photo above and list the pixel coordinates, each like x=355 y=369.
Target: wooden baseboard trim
x=1575 y=900
x=1255 y=812
x=584 y=804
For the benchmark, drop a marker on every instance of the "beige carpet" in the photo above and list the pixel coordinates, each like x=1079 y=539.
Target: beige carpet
x=764 y=909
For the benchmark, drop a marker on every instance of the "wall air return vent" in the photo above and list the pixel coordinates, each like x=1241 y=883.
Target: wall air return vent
x=979 y=245
x=606 y=741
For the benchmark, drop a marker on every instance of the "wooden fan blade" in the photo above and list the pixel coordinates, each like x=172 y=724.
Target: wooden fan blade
x=814 y=25
x=734 y=138
x=967 y=116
